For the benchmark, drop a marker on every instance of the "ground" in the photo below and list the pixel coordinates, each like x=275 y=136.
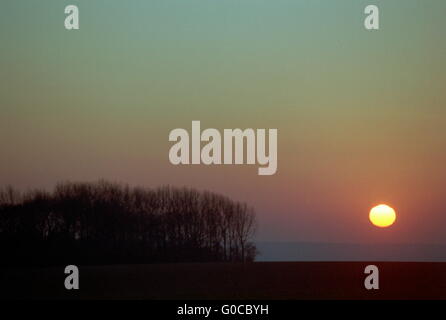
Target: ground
x=258 y=280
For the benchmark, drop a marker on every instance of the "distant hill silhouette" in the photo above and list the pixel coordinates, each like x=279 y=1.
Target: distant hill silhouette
x=308 y=251
x=103 y=222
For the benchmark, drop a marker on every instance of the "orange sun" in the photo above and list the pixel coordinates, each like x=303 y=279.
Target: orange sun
x=382 y=216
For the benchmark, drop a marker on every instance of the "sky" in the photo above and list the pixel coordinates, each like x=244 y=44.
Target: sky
x=360 y=114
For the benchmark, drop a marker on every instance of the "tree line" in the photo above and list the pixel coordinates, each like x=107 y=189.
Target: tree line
x=103 y=222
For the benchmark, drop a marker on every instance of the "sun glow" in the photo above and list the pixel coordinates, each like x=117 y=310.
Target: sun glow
x=382 y=216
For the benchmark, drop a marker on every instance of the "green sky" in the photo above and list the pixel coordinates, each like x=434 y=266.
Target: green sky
x=360 y=114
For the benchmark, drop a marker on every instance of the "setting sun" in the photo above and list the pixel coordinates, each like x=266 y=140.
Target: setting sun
x=382 y=216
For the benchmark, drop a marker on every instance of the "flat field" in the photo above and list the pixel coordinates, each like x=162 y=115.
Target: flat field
x=258 y=280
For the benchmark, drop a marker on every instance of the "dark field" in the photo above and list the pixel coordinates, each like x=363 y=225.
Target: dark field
x=259 y=280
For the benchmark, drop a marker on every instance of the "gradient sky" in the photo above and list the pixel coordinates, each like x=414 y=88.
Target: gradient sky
x=361 y=114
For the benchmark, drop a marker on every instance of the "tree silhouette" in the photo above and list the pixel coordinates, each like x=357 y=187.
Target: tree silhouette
x=103 y=222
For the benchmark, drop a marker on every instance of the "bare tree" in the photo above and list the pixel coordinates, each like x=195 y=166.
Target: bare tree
x=108 y=222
